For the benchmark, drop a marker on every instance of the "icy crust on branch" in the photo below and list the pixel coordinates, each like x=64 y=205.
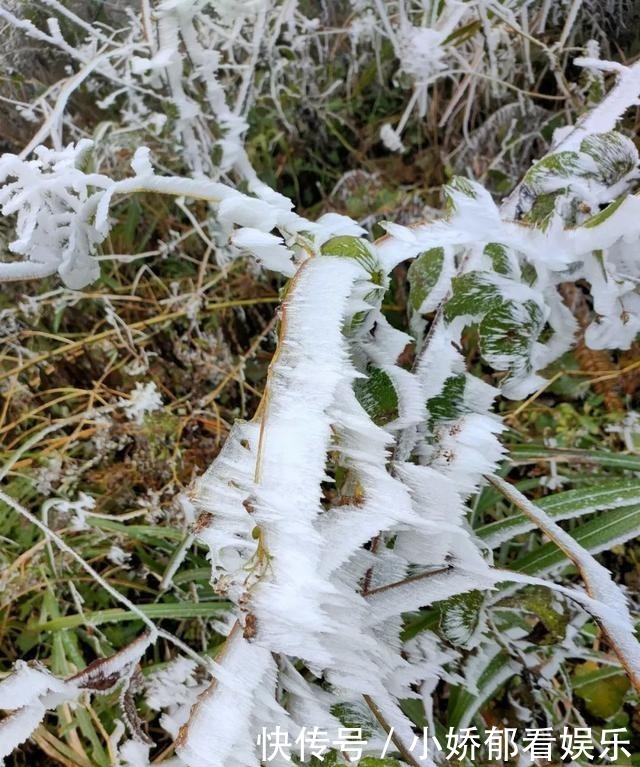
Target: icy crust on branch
x=52 y=198
x=286 y=606
x=228 y=717
x=224 y=495
x=62 y=215
x=173 y=72
x=294 y=562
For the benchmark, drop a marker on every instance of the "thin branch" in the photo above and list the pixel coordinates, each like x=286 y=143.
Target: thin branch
x=406 y=753
x=406 y=581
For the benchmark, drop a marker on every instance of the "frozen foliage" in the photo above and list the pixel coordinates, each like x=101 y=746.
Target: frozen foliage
x=477 y=276
x=342 y=504
x=53 y=200
x=391 y=139
x=185 y=75
x=30 y=691
x=77 y=509
x=174 y=690
x=145 y=398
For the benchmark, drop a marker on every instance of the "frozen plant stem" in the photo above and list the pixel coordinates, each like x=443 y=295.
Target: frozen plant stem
x=613 y=616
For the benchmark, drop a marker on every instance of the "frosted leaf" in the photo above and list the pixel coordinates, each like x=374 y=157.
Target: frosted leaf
x=134 y=754
x=229 y=9
x=76 y=509
x=247 y=211
x=336 y=225
x=420 y=52
x=420 y=592
x=118 y=556
x=30 y=691
x=268 y=249
x=172 y=685
x=430 y=278
x=376 y=460
x=224 y=723
x=145 y=398
x=141 y=162
x=26 y=686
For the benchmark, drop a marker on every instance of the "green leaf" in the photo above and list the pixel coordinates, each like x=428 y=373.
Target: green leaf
x=449 y=404
x=543 y=209
x=547 y=180
x=614 y=154
x=614 y=157
x=607 y=494
x=423 y=275
x=414 y=709
x=603 y=215
x=540 y=602
x=602 y=689
x=378 y=396
x=526 y=454
x=472 y=294
x=507 y=329
x=499 y=256
x=544 y=174
x=463 y=703
x=146 y=533
x=507 y=332
x=608 y=529
x=462 y=34
x=359 y=250
x=425 y=620
x=356 y=716
x=460 y=617
x=198 y=574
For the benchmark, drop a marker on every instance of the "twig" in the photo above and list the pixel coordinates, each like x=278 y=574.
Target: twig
x=405 y=581
x=406 y=753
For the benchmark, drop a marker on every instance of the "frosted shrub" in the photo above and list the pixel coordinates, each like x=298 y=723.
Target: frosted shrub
x=341 y=506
